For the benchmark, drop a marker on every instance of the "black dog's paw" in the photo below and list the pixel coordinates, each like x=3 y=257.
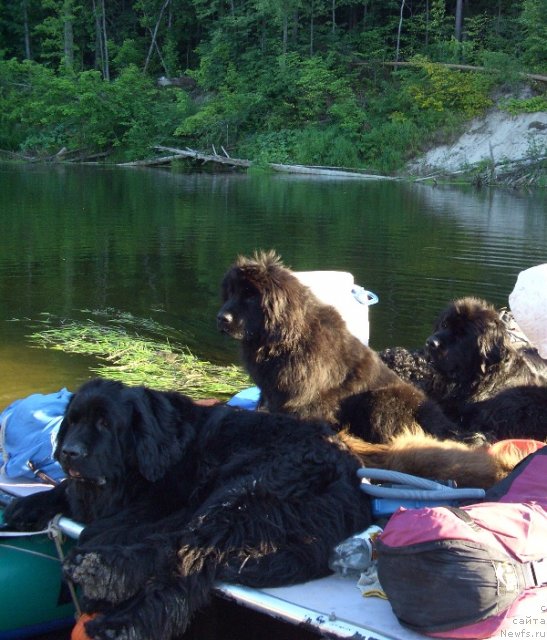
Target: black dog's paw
x=101 y=628
x=101 y=573
x=141 y=618
x=28 y=514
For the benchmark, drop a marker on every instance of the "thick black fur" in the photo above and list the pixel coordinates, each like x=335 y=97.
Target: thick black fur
x=517 y=412
x=414 y=366
x=306 y=362
x=176 y=495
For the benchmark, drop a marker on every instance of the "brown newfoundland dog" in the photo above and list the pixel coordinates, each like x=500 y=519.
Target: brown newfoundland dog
x=305 y=361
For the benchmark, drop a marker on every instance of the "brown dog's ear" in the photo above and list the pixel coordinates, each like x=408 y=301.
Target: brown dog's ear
x=160 y=432
x=285 y=305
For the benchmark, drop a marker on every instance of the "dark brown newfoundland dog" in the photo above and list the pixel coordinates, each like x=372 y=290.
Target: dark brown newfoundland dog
x=305 y=361
x=177 y=495
x=467 y=361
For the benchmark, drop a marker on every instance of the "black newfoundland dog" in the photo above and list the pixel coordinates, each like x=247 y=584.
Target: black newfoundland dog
x=516 y=412
x=176 y=495
x=414 y=366
x=306 y=362
x=470 y=358
x=472 y=350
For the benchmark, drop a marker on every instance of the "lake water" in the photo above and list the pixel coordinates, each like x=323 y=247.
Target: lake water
x=155 y=243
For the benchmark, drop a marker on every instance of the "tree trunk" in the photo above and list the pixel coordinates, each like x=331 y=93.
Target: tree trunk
x=426 y=23
x=28 y=51
x=101 y=44
x=68 y=18
x=498 y=18
x=295 y=24
x=399 y=32
x=459 y=20
x=99 y=53
x=333 y=16
x=311 y=29
x=153 y=44
x=106 y=64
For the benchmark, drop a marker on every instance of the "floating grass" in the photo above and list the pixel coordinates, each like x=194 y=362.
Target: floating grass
x=124 y=355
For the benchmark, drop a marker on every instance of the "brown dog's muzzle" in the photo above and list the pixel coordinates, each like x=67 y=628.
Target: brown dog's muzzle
x=225 y=321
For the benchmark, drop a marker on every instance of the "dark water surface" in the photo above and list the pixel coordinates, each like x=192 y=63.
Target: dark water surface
x=156 y=243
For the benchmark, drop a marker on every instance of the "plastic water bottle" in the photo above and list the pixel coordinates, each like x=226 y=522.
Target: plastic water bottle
x=354 y=555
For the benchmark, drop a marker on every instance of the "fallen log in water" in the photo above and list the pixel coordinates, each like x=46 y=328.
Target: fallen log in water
x=188 y=153
x=192 y=154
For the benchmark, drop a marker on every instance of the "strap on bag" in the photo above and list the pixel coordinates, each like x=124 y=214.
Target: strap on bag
x=534 y=572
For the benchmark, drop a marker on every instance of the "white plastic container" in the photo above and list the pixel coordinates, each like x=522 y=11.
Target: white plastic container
x=338 y=289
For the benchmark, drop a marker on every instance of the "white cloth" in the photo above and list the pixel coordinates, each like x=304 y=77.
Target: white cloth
x=528 y=302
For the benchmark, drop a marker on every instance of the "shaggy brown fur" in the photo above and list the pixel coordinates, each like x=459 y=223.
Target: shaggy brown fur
x=418 y=453
x=305 y=361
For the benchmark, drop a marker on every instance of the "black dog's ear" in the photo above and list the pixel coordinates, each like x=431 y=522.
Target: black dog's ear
x=493 y=345
x=161 y=433
x=63 y=427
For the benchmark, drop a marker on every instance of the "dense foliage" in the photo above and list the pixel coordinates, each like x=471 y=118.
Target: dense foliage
x=275 y=80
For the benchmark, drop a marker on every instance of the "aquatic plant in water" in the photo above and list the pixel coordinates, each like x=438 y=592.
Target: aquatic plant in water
x=126 y=355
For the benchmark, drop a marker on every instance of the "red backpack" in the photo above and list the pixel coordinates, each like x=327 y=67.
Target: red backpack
x=474 y=571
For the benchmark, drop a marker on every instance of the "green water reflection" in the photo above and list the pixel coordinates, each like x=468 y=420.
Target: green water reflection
x=155 y=243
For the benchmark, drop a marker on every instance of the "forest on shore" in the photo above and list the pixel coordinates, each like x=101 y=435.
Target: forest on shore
x=366 y=84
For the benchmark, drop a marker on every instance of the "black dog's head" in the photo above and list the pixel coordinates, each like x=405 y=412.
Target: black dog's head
x=468 y=337
x=110 y=429
x=262 y=300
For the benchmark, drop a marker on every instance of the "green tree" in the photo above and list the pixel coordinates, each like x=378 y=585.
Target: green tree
x=56 y=32
x=534 y=21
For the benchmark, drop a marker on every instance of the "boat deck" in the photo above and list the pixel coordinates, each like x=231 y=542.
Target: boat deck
x=332 y=607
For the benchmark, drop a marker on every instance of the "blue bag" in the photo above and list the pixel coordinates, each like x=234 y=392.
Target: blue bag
x=28 y=431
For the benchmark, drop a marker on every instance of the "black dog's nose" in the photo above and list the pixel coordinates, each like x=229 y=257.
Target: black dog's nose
x=432 y=343
x=224 y=318
x=74 y=451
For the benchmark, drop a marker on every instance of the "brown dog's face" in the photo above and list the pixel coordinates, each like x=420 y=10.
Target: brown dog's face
x=262 y=300
x=241 y=315
x=468 y=337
